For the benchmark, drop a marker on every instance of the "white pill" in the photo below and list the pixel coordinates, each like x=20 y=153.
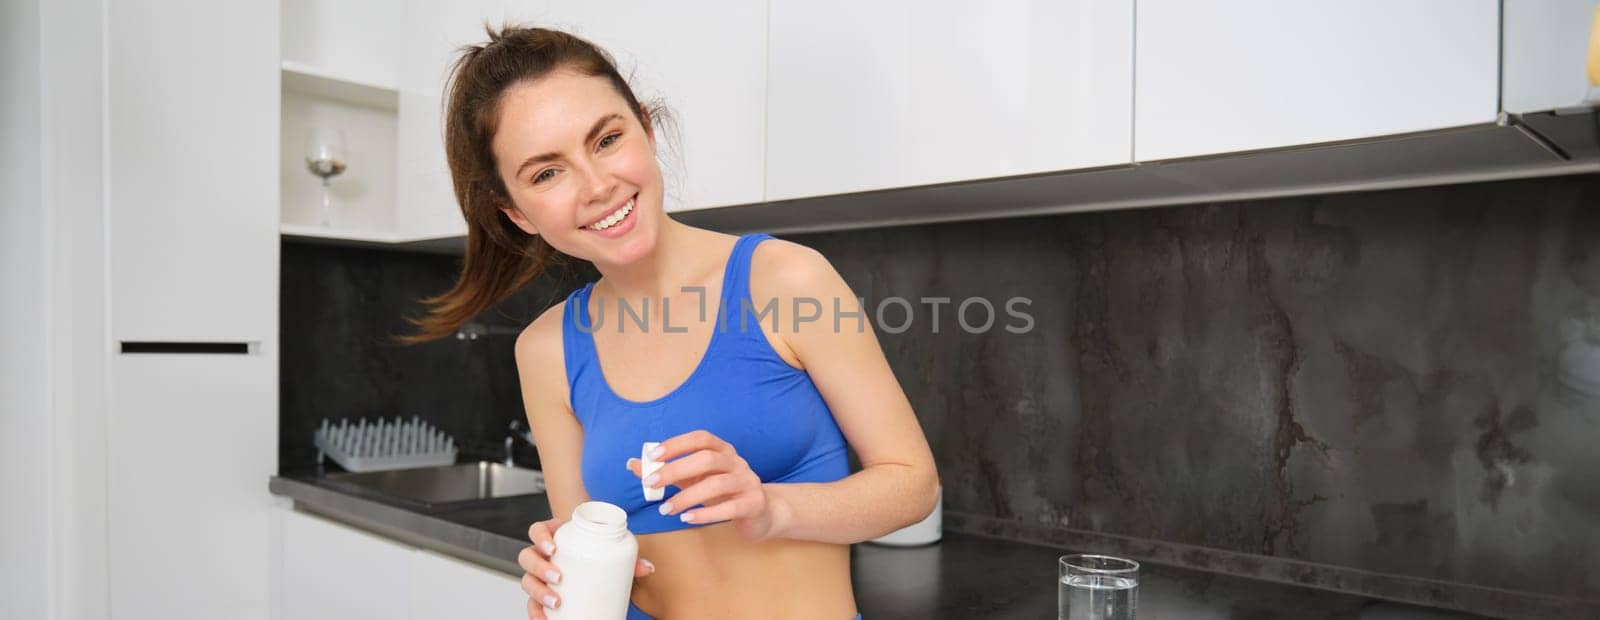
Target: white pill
x=650 y=466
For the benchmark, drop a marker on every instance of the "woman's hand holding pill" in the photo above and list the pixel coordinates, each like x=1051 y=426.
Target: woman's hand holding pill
x=710 y=473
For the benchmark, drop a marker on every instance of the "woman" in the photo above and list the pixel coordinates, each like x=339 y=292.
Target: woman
x=550 y=152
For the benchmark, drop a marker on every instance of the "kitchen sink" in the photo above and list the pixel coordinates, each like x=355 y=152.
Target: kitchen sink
x=449 y=483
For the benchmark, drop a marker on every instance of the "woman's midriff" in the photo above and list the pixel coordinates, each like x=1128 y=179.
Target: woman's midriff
x=713 y=572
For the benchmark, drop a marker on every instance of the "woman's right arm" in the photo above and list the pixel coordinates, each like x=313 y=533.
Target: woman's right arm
x=542 y=372
x=541 y=368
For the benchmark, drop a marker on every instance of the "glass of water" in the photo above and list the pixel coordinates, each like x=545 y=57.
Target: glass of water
x=1097 y=587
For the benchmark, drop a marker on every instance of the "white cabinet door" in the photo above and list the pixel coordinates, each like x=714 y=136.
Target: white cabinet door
x=193 y=171
x=1216 y=76
x=333 y=571
x=353 y=39
x=192 y=122
x=706 y=61
x=874 y=95
x=1546 y=54
x=336 y=572
x=192 y=440
x=445 y=587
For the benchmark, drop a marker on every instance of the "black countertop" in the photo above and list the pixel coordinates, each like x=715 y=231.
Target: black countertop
x=962 y=576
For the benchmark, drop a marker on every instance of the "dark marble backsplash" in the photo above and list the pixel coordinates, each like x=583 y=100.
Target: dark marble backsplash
x=1386 y=382
x=339 y=309
x=1368 y=380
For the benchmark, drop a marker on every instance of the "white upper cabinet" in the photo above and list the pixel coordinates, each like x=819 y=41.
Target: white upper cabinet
x=192 y=111
x=874 y=95
x=1218 y=76
x=353 y=39
x=341 y=63
x=433 y=32
x=1552 y=54
x=706 y=61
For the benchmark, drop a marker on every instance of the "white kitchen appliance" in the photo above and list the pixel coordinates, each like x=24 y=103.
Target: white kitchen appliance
x=924 y=532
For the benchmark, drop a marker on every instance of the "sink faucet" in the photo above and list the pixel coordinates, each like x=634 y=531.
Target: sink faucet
x=519 y=429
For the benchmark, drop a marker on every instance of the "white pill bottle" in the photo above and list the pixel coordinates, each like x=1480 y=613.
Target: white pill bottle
x=596 y=554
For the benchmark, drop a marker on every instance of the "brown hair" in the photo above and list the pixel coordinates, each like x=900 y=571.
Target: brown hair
x=500 y=258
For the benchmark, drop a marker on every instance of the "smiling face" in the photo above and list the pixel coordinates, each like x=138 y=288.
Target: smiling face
x=579 y=168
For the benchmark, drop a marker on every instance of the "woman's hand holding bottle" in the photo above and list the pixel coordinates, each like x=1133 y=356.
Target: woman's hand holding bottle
x=540 y=572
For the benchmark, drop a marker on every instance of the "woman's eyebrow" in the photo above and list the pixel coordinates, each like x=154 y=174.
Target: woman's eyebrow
x=593 y=132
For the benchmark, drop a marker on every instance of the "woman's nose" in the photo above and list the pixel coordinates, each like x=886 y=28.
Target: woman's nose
x=597 y=185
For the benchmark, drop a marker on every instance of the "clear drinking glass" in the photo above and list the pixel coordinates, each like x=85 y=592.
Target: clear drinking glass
x=1097 y=587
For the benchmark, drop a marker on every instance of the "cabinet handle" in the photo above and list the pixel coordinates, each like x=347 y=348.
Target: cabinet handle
x=197 y=348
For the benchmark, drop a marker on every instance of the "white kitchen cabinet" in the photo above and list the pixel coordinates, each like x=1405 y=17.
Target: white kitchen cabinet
x=354 y=39
x=192 y=125
x=707 y=62
x=1546 y=53
x=425 y=201
x=192 y=255
x=336 y=572
x=341 y=63
x=433 y=33
x=191 y=441
x=343 y=66
x=866 y=96
x=444 y=587
x=333 y=571
x=1219 y=76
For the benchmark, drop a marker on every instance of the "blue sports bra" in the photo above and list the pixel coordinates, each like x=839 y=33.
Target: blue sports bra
x=742 y=391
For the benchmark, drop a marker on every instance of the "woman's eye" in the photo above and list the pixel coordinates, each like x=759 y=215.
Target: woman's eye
x=544 y=175
x=610 y=140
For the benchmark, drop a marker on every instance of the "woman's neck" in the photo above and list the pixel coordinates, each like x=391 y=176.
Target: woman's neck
x=677 y=260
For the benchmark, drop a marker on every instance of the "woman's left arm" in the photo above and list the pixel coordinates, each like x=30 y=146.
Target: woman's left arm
x=897 y=485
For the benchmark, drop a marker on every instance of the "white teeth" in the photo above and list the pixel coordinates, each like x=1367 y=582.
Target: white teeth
x=611 y=220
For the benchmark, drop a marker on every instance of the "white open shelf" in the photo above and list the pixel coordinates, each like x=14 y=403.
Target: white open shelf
x=323 y=84
x=448 y=244
x=318 y=232
x=365 y=201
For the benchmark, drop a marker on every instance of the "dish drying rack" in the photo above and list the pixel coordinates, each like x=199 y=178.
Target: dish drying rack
x=384 y=444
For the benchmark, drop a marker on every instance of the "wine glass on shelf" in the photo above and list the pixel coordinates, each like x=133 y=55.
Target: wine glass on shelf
x=325 y=157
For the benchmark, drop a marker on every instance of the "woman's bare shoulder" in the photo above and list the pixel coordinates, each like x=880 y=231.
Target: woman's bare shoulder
x=789 y=269
x=540 y=342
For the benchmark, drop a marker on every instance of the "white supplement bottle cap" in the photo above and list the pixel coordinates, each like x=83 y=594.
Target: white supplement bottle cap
x=649 y=466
